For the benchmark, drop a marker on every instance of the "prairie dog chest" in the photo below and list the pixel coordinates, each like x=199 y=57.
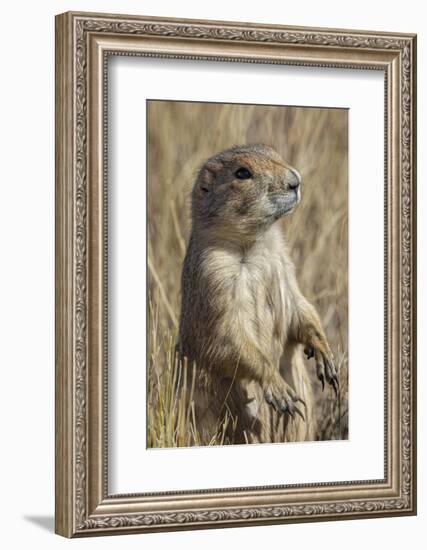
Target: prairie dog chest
x=257 y=275
x=252 y=289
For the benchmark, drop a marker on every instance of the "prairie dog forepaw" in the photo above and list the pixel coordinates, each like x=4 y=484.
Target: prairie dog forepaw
x=282 y=397
x=325 y=369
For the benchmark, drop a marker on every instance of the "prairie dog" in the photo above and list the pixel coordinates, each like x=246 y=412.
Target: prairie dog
x=244 y=321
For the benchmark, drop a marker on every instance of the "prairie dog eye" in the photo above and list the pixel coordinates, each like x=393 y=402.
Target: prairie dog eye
x=242 y=173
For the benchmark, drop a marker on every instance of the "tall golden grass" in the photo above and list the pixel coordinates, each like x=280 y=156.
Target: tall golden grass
x=181 y=136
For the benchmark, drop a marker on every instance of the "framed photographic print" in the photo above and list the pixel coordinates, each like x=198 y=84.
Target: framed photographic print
x=235 y=274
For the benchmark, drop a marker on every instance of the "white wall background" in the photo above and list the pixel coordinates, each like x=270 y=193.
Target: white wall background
x=27 y=273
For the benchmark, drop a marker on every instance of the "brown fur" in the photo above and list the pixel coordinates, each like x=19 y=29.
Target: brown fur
x=244 y=322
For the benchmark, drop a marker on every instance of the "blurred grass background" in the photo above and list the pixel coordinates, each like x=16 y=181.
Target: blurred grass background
x=181 y=136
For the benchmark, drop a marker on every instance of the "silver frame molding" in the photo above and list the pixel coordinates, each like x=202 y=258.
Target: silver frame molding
x=83 y=43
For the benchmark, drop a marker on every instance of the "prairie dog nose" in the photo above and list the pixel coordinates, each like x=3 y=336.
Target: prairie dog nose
x=293 y=178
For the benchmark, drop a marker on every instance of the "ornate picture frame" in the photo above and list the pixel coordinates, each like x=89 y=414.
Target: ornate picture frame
x=84 y=42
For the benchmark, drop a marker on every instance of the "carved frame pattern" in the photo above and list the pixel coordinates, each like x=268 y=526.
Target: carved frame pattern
x=83 y=506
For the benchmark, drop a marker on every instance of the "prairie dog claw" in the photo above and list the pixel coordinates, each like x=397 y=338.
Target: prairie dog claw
x=282 y=398
x=325 y=368
x=309 y=352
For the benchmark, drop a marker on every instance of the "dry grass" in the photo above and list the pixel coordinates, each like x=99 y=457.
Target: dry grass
x=180 y=137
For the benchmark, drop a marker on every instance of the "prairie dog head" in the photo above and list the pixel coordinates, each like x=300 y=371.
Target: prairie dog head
x=240 y=192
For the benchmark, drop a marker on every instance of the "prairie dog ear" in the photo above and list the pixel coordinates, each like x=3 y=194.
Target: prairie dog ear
x=208 y=175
